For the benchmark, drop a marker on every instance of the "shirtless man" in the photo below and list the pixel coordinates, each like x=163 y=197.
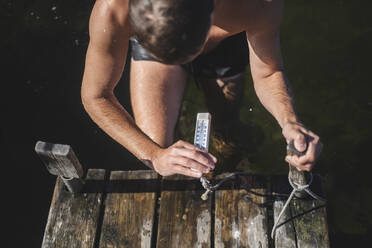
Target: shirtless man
x=175 y=38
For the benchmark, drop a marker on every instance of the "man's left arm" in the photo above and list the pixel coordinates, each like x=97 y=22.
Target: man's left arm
x=273 y=90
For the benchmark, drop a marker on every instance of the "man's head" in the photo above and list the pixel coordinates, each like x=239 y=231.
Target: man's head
x=173 y=31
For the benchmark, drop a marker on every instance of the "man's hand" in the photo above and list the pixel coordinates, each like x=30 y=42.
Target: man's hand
x=303 y=139
x=183 y=158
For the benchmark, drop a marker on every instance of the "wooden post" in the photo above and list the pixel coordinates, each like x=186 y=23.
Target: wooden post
x=300 y=178
x=296 y=176
x=60 y=160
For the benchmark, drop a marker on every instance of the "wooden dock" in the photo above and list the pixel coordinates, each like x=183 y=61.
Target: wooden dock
x=141 y=209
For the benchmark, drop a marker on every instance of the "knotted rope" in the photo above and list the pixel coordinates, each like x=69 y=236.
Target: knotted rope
x=296 y=188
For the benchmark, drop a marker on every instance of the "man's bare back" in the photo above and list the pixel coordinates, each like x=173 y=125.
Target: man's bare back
x=156 y=89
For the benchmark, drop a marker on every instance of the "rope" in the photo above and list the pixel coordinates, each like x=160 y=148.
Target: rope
x=296 y=188
x=207 y=186
x=210 y=188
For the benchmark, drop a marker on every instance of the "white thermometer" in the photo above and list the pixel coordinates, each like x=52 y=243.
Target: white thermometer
x=201 y=140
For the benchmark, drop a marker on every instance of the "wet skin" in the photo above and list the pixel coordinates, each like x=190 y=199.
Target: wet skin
x=157 y=89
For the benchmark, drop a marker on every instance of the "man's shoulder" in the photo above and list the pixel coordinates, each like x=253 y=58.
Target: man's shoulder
x=268 y=15
x=113 y=12
x=252 y=15
x=109 y=21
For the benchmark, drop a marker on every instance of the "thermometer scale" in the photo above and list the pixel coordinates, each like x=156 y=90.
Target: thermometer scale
x=202 y=131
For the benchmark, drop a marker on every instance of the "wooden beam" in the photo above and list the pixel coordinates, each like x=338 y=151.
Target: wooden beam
x=73 y=219
x=60 y=160
x=129 y=209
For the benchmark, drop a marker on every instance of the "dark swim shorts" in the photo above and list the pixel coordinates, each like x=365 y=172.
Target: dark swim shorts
x=228 y=58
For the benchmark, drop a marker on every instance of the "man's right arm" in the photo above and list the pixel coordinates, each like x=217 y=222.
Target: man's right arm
x=105 y=59
x=110 y=31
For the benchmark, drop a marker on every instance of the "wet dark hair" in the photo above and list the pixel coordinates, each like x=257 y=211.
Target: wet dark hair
x=172 y=31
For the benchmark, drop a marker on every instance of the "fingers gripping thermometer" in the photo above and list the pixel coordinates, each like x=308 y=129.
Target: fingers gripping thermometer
x=201 y=140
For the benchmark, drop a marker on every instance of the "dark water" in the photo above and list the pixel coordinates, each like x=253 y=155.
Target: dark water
x=327 y=47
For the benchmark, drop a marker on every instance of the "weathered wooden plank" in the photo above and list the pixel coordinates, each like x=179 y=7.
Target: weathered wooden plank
x=305 y=221
x=129 y=216
x=184 y=219
x=311 y=223
x=72 y=220
x=285 y=235
x=239 y=222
